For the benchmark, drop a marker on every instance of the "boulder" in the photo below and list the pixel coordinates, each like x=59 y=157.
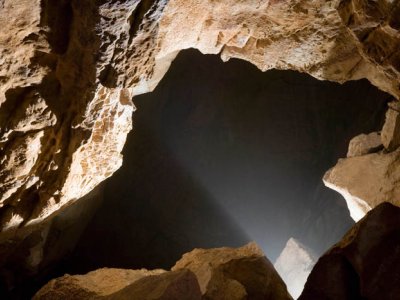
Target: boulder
x=365 y=264
x=391 y=129
x=235 y=274
x=364 y=143
x=123 y=284
x=369 y=174
x=74 y=67
x=366 y=181
x=221 y=273
x=294 y=265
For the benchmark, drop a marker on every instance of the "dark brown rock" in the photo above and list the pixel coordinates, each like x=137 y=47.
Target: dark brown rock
x=365 y=264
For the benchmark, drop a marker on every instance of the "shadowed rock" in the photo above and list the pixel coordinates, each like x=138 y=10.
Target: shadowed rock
x=220 y=273
x=123 y=284
x=365 y=264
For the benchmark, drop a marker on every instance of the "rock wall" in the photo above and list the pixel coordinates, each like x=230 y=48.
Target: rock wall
x=68 y=71
x=71 y=68
x=122 y=284
x=370 y=173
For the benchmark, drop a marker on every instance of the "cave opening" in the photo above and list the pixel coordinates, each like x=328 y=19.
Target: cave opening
x=222 y=154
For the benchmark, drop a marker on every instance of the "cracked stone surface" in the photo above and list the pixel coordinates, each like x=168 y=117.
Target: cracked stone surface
x=364 y=264
x=69 y=70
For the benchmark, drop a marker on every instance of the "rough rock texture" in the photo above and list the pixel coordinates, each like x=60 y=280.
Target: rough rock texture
x=78 y=63
x=391 y=129
x=364 y=144
x=123 y=284
x=228 y=273
x=365 y=264
x=294 y=265
x=44 y=248
x=221 y=142
x=220 y=273
x=367 y=179
x=317 y=37
x=69 y=68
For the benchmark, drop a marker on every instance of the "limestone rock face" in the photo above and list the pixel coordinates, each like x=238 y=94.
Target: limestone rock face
x=364 y=264
x=391 y=129
x=364 y=144
x=227 y=273
x=369 y=174
x=123 y=284
x=221 y=273
x=294 y=265
x=69 y=69
x=315 y=37
x=366 y=181
x=375 y=26
x=72 y=67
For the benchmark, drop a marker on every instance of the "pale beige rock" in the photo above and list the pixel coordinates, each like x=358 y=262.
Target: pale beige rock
x=174 y=285
x=366 y=181
x=102 y=282
x=229 y=273
x=308 y=36
x=294 y=264
x=364 y=144
x=391 y=128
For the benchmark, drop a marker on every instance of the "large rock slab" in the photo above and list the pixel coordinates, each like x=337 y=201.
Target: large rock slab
x=391 y=129
x=235 y=274
x=364 y=144
x=123 y=284
x=294 y=265
x=366 y=181
x=365 y=264
x=220 y=273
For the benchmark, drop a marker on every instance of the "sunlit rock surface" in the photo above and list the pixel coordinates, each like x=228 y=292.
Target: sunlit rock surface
x=370 y=173
x=221 y=141
x=321 y=38
x=121 y=284
x=365 y=264
x=294 y=265
x=73 y=67
x=220 y=273
x=364 y=144
x=366 y=181
x=229 y=273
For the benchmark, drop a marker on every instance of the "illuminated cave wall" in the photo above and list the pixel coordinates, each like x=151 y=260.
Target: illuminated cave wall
x=221 y=154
